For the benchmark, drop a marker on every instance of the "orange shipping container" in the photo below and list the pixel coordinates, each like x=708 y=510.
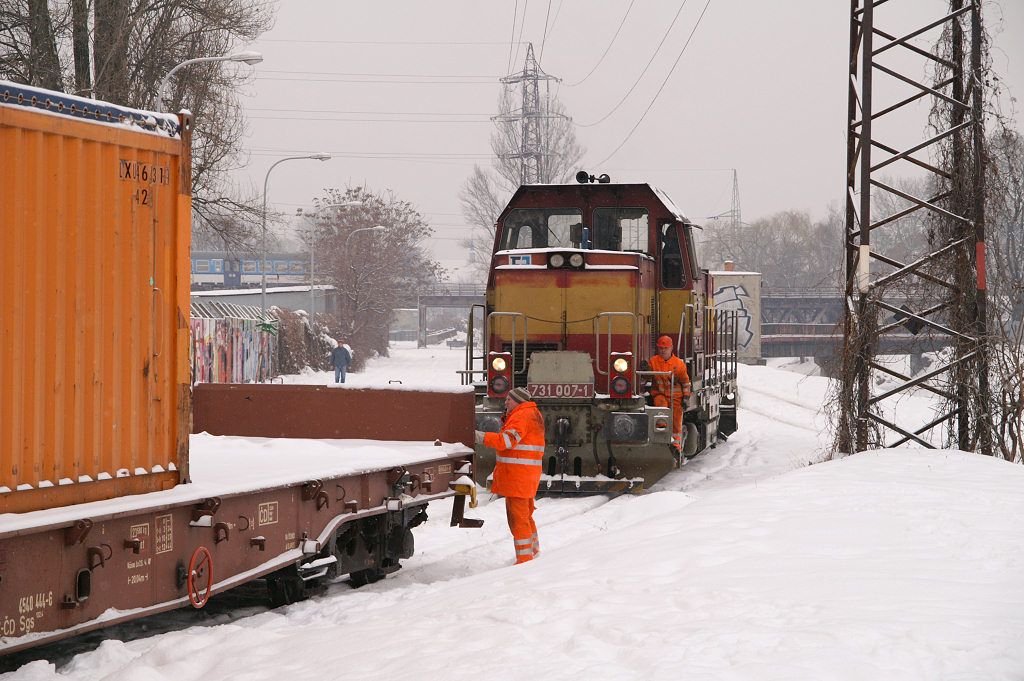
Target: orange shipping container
x=94 y=239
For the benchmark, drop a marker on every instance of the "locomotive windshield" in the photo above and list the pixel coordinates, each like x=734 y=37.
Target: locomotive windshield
x=620 y=229
x=542 y=228
x=614 y=229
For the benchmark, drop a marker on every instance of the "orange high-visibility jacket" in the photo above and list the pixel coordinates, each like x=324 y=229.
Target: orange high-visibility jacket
x=678 y=369
x=520 y=448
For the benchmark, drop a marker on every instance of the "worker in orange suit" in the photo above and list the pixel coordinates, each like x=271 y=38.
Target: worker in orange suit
x=666 y=390
x=518 y=466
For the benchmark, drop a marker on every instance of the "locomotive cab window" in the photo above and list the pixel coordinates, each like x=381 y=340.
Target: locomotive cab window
x=542 y=228
x=672 y=270
x=620 y=229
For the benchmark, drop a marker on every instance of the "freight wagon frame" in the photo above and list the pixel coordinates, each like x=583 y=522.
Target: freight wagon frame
x=105 y=514
x=83 y=567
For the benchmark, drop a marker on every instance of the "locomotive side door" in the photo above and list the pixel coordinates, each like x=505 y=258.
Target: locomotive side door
x=675 y=288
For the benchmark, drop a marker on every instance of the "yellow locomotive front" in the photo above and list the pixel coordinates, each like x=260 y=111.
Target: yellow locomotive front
x=583 y=280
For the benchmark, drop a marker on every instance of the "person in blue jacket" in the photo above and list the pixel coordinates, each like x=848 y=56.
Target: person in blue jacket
x=341 y=357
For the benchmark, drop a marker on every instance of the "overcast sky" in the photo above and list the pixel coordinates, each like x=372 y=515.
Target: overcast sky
x=401 y=93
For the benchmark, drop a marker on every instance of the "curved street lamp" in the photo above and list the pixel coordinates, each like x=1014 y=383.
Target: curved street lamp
x=312 y=251
x=376 y=230
x=248 y=57
x=263 y=262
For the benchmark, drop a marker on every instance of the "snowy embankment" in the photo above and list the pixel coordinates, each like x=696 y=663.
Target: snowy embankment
x=745 y=564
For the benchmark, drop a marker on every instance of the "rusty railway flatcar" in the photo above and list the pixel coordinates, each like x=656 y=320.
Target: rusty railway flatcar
x=105 y=513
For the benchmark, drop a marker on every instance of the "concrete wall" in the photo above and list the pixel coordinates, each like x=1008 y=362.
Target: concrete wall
x=742 y=291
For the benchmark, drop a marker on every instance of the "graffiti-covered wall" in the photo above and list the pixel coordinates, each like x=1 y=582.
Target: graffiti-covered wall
x=742 y=291
x=230 y=351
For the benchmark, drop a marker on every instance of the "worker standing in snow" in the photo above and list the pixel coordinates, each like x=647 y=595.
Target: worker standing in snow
x=518 y=465
x=672 y=389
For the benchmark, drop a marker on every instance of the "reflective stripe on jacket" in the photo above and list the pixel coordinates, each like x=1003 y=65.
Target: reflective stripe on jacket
x=678 y=368
x=520 y=452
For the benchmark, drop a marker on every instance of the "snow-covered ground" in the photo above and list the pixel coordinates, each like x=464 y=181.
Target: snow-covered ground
x=747 y=563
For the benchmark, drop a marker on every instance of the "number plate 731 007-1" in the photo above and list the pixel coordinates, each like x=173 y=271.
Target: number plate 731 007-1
x=561 y=389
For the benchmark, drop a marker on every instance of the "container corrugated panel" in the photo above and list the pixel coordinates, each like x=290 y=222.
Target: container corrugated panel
x=94 y=239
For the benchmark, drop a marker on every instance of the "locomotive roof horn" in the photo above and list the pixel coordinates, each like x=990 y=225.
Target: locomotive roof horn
x=583 y=177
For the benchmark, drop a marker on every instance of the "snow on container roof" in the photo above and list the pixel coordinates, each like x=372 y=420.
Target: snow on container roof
x=62 y=104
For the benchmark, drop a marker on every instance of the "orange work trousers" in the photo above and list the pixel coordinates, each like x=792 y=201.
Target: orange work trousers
x=662 y=400
x=519 y=511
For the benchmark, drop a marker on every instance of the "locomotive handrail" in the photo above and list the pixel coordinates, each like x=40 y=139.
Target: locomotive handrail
x=513 y=315
x=467 y=374
x=684 y=319
x=671 y=377
x=597 y=336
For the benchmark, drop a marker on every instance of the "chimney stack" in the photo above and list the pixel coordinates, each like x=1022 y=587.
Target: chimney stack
x=730 y=266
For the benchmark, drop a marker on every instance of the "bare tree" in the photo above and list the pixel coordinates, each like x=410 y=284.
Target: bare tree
x=373 y=273
x=787 y=248
x=132 y=44
x=486 y=191
x=1005 y=261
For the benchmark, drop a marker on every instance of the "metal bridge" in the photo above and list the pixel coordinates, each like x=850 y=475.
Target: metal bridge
x=808 y=322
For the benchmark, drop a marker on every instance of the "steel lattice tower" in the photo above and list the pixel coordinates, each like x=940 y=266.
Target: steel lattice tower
x=532 y=119
x=944 y=283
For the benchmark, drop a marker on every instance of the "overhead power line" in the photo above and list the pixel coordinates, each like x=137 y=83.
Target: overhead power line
x=663 y=83
x=522 y=27
x=544 y=37
x=382 y=113
x=336 y=119
x=489 y=82
x=382 y=75
x=434 y=43
x=373 y=154
x=638 y=78
x=607 y=49
x=512 y=38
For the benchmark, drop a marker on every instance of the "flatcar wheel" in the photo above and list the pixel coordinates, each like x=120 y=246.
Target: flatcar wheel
x=363 y=577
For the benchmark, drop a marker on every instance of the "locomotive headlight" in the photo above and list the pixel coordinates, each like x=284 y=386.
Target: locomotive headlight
x=576 y=259
x=498 y=364
x=620 y=365
x=556 y=260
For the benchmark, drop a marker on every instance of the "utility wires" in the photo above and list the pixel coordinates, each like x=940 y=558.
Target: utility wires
x=676 y=63
x=606 y=50
x=638 y=78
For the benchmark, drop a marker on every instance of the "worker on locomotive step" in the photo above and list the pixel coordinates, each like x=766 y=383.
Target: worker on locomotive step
x=518 y=465
x=341 y=357
x=673 y=389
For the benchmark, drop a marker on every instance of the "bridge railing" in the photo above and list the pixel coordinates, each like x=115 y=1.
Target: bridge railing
x=454 y=289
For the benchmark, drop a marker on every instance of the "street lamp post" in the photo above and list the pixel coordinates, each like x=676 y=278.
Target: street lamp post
x=250 y=58
x=263 y=250
x=376 y=230
x=312 y=251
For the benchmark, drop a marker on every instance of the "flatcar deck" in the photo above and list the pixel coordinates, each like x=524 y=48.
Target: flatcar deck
x=291 y=510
